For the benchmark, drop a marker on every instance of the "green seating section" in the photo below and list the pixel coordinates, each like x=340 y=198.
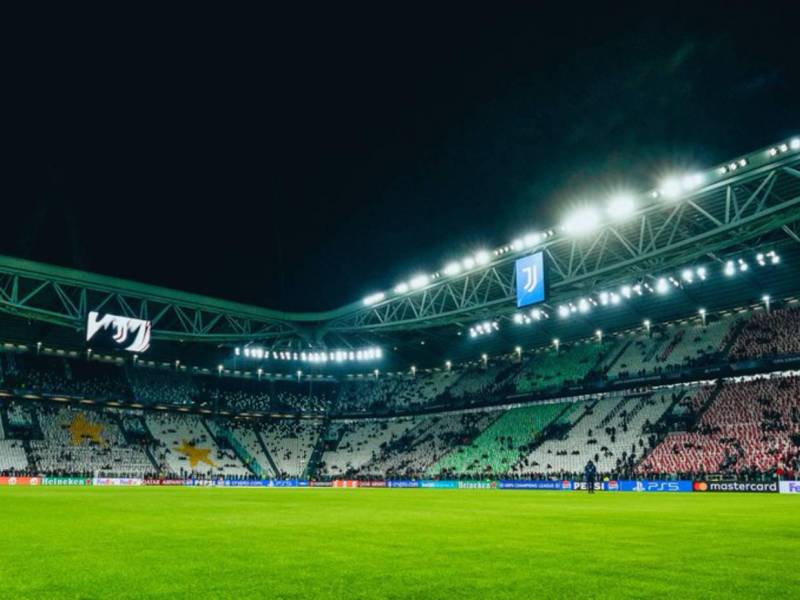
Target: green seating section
x=497 y=449
x=548 y=369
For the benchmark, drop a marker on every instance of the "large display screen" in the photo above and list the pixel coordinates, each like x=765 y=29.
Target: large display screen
x=530 y=280
x=120 y=333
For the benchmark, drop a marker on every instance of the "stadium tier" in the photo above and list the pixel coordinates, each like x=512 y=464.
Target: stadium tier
x=638 y=402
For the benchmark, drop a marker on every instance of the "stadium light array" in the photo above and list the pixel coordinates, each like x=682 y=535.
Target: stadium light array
x=333 y=356
x=621 y=206
x=581 y=221
x=485 y=328
x=374 y=298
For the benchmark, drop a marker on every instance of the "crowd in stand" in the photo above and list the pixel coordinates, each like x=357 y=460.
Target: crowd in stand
x=742 y=428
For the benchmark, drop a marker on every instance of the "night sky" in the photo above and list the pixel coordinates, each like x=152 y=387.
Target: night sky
x=301 y=161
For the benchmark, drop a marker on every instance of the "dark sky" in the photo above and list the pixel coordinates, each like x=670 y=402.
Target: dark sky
x=300 y=161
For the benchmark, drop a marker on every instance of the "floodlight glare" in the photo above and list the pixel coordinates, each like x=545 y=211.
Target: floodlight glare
x=518 y=318
x=662 y=286
x=621 y=207
x=419 y=281
x=482 y=257
x=401 y=288
x=671 y=187
x=730 y=269
x=531 y=239
x=468 y=263
x=687 y=275
x=583 y=305
x=452 y=268
x=563 y=311
x=625 y=290
x=582 y=221
x=374 y=298
x=794 y=144
x=701 y=272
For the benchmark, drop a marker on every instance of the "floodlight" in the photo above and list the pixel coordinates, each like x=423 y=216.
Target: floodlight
x=687 y=275
x=563 y=311
x=583 y=305
x=452 y=268
x=625 y=290
x=701 y=272
x=482 y=257
x=518 y=318
x=794 y=144
x=671 y=187
x=374 y=298
x=419 y=281
x=621 y=206
x=468 y=263
x=582 y=221
x=662 y=286
x=401 y=288
x=730 y=269
x=531 y=239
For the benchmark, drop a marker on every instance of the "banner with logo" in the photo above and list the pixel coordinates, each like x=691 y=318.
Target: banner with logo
x=477 y=485
x=20 y=481
x=789 y=487
x=403 y=483
x=432 y=483
x=373 y=484
x=320 y=484
x=126 y=481
x=345 y=483
x=655 y=486
x=69 y=481
x=769 y=487
x=544 y=484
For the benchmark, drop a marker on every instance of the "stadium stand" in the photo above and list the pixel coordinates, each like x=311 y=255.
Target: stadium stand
x=76 y=441
x=431 y=437
x=500 y=446
x=748 y=427
x=769 y=334
x=359 y=442
x=186 y=447
x=551 y=368
x=290 y=443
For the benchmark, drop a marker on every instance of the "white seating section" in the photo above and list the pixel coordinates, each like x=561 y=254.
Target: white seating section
x=290 y=443
x=86 y=442
x=361 y=442
x=179 y=431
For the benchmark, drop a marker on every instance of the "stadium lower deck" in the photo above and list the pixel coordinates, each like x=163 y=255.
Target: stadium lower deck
x=333 y=543
x=685 y=400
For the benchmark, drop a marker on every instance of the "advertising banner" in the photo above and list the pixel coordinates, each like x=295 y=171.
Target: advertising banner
x=736 y=486
x=544 y=484
x=126 y=481
x=655 y=486
x=789 y=487
x=430 y=483
x=403 y=483
x=20 y=481
x=530 y=279
x=171 y=482
x=249 y=483
x=477 y=485
x=288 y=483
x=345 y=483
x=320 y=484
x=373 y=484
x=66 y=481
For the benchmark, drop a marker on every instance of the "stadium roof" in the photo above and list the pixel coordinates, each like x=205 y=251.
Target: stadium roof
x=734 y=211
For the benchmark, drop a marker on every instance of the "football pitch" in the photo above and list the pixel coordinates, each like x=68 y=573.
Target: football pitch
x=381 y=543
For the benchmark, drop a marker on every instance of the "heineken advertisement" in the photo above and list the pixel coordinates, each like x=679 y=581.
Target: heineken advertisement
x=66 y=481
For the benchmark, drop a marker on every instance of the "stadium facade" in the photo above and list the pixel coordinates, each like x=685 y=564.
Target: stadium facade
x=660 y=338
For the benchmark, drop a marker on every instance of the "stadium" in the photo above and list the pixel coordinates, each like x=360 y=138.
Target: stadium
x=607 y=404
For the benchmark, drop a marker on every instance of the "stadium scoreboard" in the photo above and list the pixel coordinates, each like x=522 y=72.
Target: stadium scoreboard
x=115 y=332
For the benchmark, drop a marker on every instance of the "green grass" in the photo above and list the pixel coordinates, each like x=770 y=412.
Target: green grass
x=226 y=543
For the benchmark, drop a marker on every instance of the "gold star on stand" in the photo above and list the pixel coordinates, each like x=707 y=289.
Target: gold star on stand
x=81 y=429
x=195 y=455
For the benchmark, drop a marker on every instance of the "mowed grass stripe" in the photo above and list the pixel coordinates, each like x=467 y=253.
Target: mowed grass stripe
x=324 y=543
